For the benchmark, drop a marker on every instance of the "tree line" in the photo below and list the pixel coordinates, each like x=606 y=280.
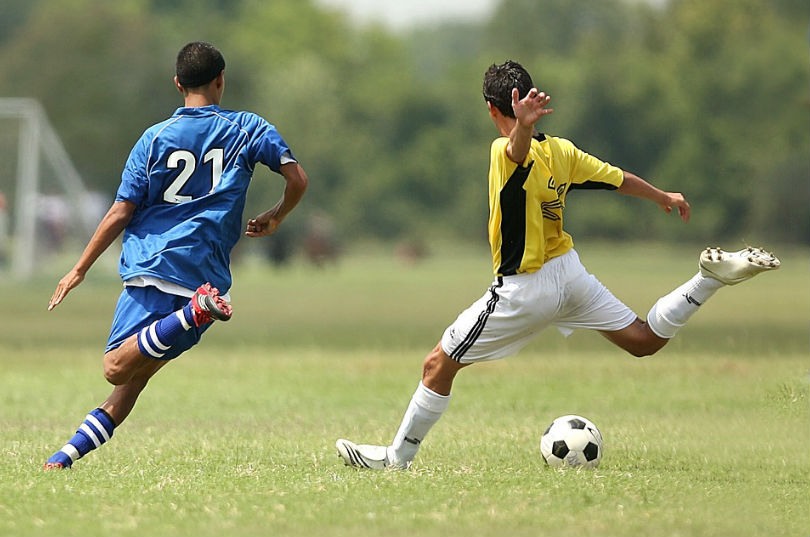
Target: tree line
x=710 y=98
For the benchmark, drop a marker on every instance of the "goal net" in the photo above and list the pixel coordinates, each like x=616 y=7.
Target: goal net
x=46 y=213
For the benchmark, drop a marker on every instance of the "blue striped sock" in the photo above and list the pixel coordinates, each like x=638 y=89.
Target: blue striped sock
x=96 y=429
x=158 y=337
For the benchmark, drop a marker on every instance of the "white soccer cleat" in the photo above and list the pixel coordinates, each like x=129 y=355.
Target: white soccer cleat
x=365 y=456
x=732 y=268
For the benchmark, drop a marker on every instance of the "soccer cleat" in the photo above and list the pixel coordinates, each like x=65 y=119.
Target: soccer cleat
x=732 y=268
x=54 y=466
x=208 y=306
x=366 y=456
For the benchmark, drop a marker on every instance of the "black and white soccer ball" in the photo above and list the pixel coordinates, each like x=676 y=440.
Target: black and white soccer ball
x=572 y=441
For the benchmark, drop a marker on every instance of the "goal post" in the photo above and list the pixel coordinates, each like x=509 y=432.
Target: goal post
x=37 y=139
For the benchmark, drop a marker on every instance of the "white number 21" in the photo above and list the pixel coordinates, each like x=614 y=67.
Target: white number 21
x=188 y=162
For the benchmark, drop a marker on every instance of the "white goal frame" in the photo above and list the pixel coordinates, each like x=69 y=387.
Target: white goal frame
x=38 y=138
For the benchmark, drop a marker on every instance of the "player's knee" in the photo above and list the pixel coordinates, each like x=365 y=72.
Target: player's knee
x=114 y=370
x=645 y=348
x=114 y=375
x=637 y=339
x=641 y=352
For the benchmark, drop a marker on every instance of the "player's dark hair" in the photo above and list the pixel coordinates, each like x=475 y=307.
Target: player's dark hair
x=198 y=63
x=499 y=81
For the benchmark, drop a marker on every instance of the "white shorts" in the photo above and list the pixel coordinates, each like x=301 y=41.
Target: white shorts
x=516 y=308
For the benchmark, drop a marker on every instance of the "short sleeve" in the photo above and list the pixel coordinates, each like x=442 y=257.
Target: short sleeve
x=134 y=183
x=269 y=147
x=588 y=171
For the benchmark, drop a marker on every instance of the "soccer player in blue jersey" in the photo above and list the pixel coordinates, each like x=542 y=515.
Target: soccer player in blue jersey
x=179 y=207
x=539 y=279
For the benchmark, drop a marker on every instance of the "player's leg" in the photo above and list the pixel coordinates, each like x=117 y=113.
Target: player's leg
x=588 y=304
x=637 y=339
x=129 y=371
x=131 y=360
x=497 y=325
x=717 y=269
x=428 y=403
x=123 y=397
x=157 y=332
x=99 y=425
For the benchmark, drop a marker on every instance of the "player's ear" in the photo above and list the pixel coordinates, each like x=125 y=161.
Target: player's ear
x=178 y=86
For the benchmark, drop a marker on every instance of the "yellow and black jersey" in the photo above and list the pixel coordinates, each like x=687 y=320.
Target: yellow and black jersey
x=526 y=201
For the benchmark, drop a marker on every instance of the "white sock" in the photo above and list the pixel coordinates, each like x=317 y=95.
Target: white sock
x=672 y=311
x=425 y=409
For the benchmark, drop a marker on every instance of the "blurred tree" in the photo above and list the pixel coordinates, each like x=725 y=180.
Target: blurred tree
x=14 y=16
x=349 y=101
x=740 y=84
x=92 y=65
x=527 y=28
x=710 y=98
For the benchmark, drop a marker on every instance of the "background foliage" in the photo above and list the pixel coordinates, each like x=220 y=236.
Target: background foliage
x=709 y=98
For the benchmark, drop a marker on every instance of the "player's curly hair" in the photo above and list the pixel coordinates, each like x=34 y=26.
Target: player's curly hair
x=499 y=81
x=198 y=63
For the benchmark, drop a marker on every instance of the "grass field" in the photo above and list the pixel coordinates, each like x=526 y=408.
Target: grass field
x=711 y=437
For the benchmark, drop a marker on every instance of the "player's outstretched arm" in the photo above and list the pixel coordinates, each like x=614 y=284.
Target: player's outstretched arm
x=110 y=227
x=267 y=222
x=634 y=185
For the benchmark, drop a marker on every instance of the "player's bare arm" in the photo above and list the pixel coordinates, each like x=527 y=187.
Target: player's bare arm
x=527 y=111
x=267 y=222
x=634 y=185
x=110 y=227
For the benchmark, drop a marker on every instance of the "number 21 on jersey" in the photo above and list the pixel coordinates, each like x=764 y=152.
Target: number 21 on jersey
x=186 y=162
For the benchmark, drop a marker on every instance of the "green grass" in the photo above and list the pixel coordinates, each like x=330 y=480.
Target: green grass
x=711 y=437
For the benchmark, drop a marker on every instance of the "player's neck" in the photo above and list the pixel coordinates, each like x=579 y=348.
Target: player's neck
x=505 y=125
x=195 y=100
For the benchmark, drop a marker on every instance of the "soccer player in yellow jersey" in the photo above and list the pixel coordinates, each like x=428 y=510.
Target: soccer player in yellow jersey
x=539 y=279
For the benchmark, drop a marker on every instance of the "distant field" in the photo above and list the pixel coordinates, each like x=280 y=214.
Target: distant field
x=708 y=438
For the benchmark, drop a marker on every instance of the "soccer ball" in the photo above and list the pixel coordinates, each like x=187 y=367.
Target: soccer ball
x=573 y=441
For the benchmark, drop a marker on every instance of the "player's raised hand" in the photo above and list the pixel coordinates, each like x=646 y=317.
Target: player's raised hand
x=69 y=281
x=532 y=107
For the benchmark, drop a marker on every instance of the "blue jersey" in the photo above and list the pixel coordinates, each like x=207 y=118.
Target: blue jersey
x=188 y=177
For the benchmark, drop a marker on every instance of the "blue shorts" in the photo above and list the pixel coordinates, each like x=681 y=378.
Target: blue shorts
x=138 y=307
